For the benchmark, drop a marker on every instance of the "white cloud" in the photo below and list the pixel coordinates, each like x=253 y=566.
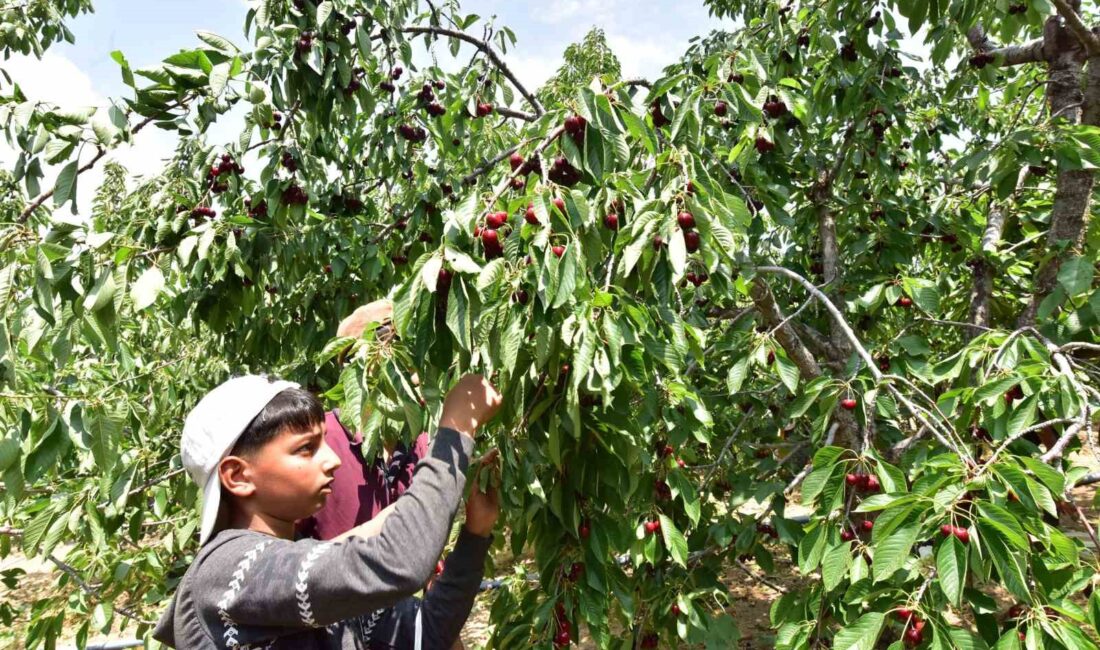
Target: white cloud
x=533 y=71
x=574 y=11
x=644 y=56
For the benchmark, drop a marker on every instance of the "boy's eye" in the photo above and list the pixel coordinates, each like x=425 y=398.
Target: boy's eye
x=304 y=448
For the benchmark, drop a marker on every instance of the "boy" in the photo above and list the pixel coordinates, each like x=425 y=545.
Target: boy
x=257 y=446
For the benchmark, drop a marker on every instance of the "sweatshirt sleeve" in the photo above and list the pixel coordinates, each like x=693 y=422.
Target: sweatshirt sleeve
x=446 y=604
x=305 y=584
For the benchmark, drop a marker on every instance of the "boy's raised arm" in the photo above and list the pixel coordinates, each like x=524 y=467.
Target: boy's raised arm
x=311 y=584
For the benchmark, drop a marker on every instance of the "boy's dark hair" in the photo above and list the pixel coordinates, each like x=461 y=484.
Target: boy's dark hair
x=294 y=409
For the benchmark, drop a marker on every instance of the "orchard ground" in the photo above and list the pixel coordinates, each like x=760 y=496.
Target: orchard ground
x=751 y=599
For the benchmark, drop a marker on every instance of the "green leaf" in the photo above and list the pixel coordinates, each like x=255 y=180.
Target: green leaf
x=815 y=481
x=64 y=188
x=103 y=292
x=883 y=501
x=737 y=373
x=674 y=541
x=217 y=42
x=834 y=566
x=324 y=10
x=144 y=292
x=1075 y=275
x=788 y=372
x=862 y=634
x=219 y=77
x=951 y=567
x=811 y=549
x=892 y=552
x=1005 y=523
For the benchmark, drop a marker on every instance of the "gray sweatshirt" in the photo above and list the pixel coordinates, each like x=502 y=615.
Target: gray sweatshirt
x=248 y=590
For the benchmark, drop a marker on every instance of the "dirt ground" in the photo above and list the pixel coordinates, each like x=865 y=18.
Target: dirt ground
x=751 y=599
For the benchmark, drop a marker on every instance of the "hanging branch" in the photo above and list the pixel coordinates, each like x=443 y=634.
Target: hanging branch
x=485 y=47
x=866 y=356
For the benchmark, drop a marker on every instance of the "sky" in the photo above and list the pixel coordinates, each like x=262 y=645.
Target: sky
x=646 y=35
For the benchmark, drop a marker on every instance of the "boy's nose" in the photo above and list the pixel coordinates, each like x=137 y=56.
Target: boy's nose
x=330 y=462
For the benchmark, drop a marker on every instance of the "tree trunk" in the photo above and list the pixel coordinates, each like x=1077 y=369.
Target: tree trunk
x=1069 y=212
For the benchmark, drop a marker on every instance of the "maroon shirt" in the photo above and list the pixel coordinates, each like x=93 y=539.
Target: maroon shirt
x=361 y=488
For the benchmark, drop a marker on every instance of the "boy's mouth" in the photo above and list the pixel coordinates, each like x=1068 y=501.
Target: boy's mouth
x=327 y=488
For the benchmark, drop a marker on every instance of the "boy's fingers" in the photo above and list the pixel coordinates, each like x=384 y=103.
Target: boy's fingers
x=487 y=458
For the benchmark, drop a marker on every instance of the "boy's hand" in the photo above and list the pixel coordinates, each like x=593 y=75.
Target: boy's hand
x=482 y=508
x=468 y=405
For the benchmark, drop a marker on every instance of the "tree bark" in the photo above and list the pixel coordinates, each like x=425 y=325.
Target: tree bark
x=1069 y=213
x=982 y=291
x=830 y=248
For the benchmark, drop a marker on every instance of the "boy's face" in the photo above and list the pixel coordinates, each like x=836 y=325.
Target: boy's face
x=291 y=475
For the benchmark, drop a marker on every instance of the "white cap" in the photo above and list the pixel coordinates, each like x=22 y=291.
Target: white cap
x=211 y=430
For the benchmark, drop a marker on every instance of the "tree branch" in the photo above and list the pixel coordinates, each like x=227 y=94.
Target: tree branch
x=1030 y=52
x=858 y=347
x=489 y=52
x=509 y=112
x=487 y=165
x=1074 y=23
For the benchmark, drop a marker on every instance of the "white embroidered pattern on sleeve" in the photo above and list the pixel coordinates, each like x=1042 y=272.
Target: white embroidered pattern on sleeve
x=230 y=595
x=301 y=587
x=367 y=624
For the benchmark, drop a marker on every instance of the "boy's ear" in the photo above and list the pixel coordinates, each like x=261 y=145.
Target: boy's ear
x=235 y=474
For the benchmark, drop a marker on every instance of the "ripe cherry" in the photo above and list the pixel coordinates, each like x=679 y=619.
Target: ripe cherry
x=691 y=241
x=658 y=242
x=763 y=145
x=848 y=403
x=561 y=639
x=720 y=108
x=558 y=250
x=516 y=161
x=584 y=530
x=491 y=241
x=847 y=535
x=867 y=525
x=495 y=220
x=904 y=614
x=905 y=301
x=531 y=216
x=852 y=479
x=559 y=203
x=913 y=637
x=652 y=526
x=872 y=484
x=611 y=221
x=686 y=220
x=443 y=280
x=963 y=535
x=675 y=609
x=947 y=530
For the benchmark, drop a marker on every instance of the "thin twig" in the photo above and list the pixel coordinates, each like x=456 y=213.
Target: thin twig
x=485 y=47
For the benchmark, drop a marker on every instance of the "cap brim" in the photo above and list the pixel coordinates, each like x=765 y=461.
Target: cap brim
x=211 y=502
